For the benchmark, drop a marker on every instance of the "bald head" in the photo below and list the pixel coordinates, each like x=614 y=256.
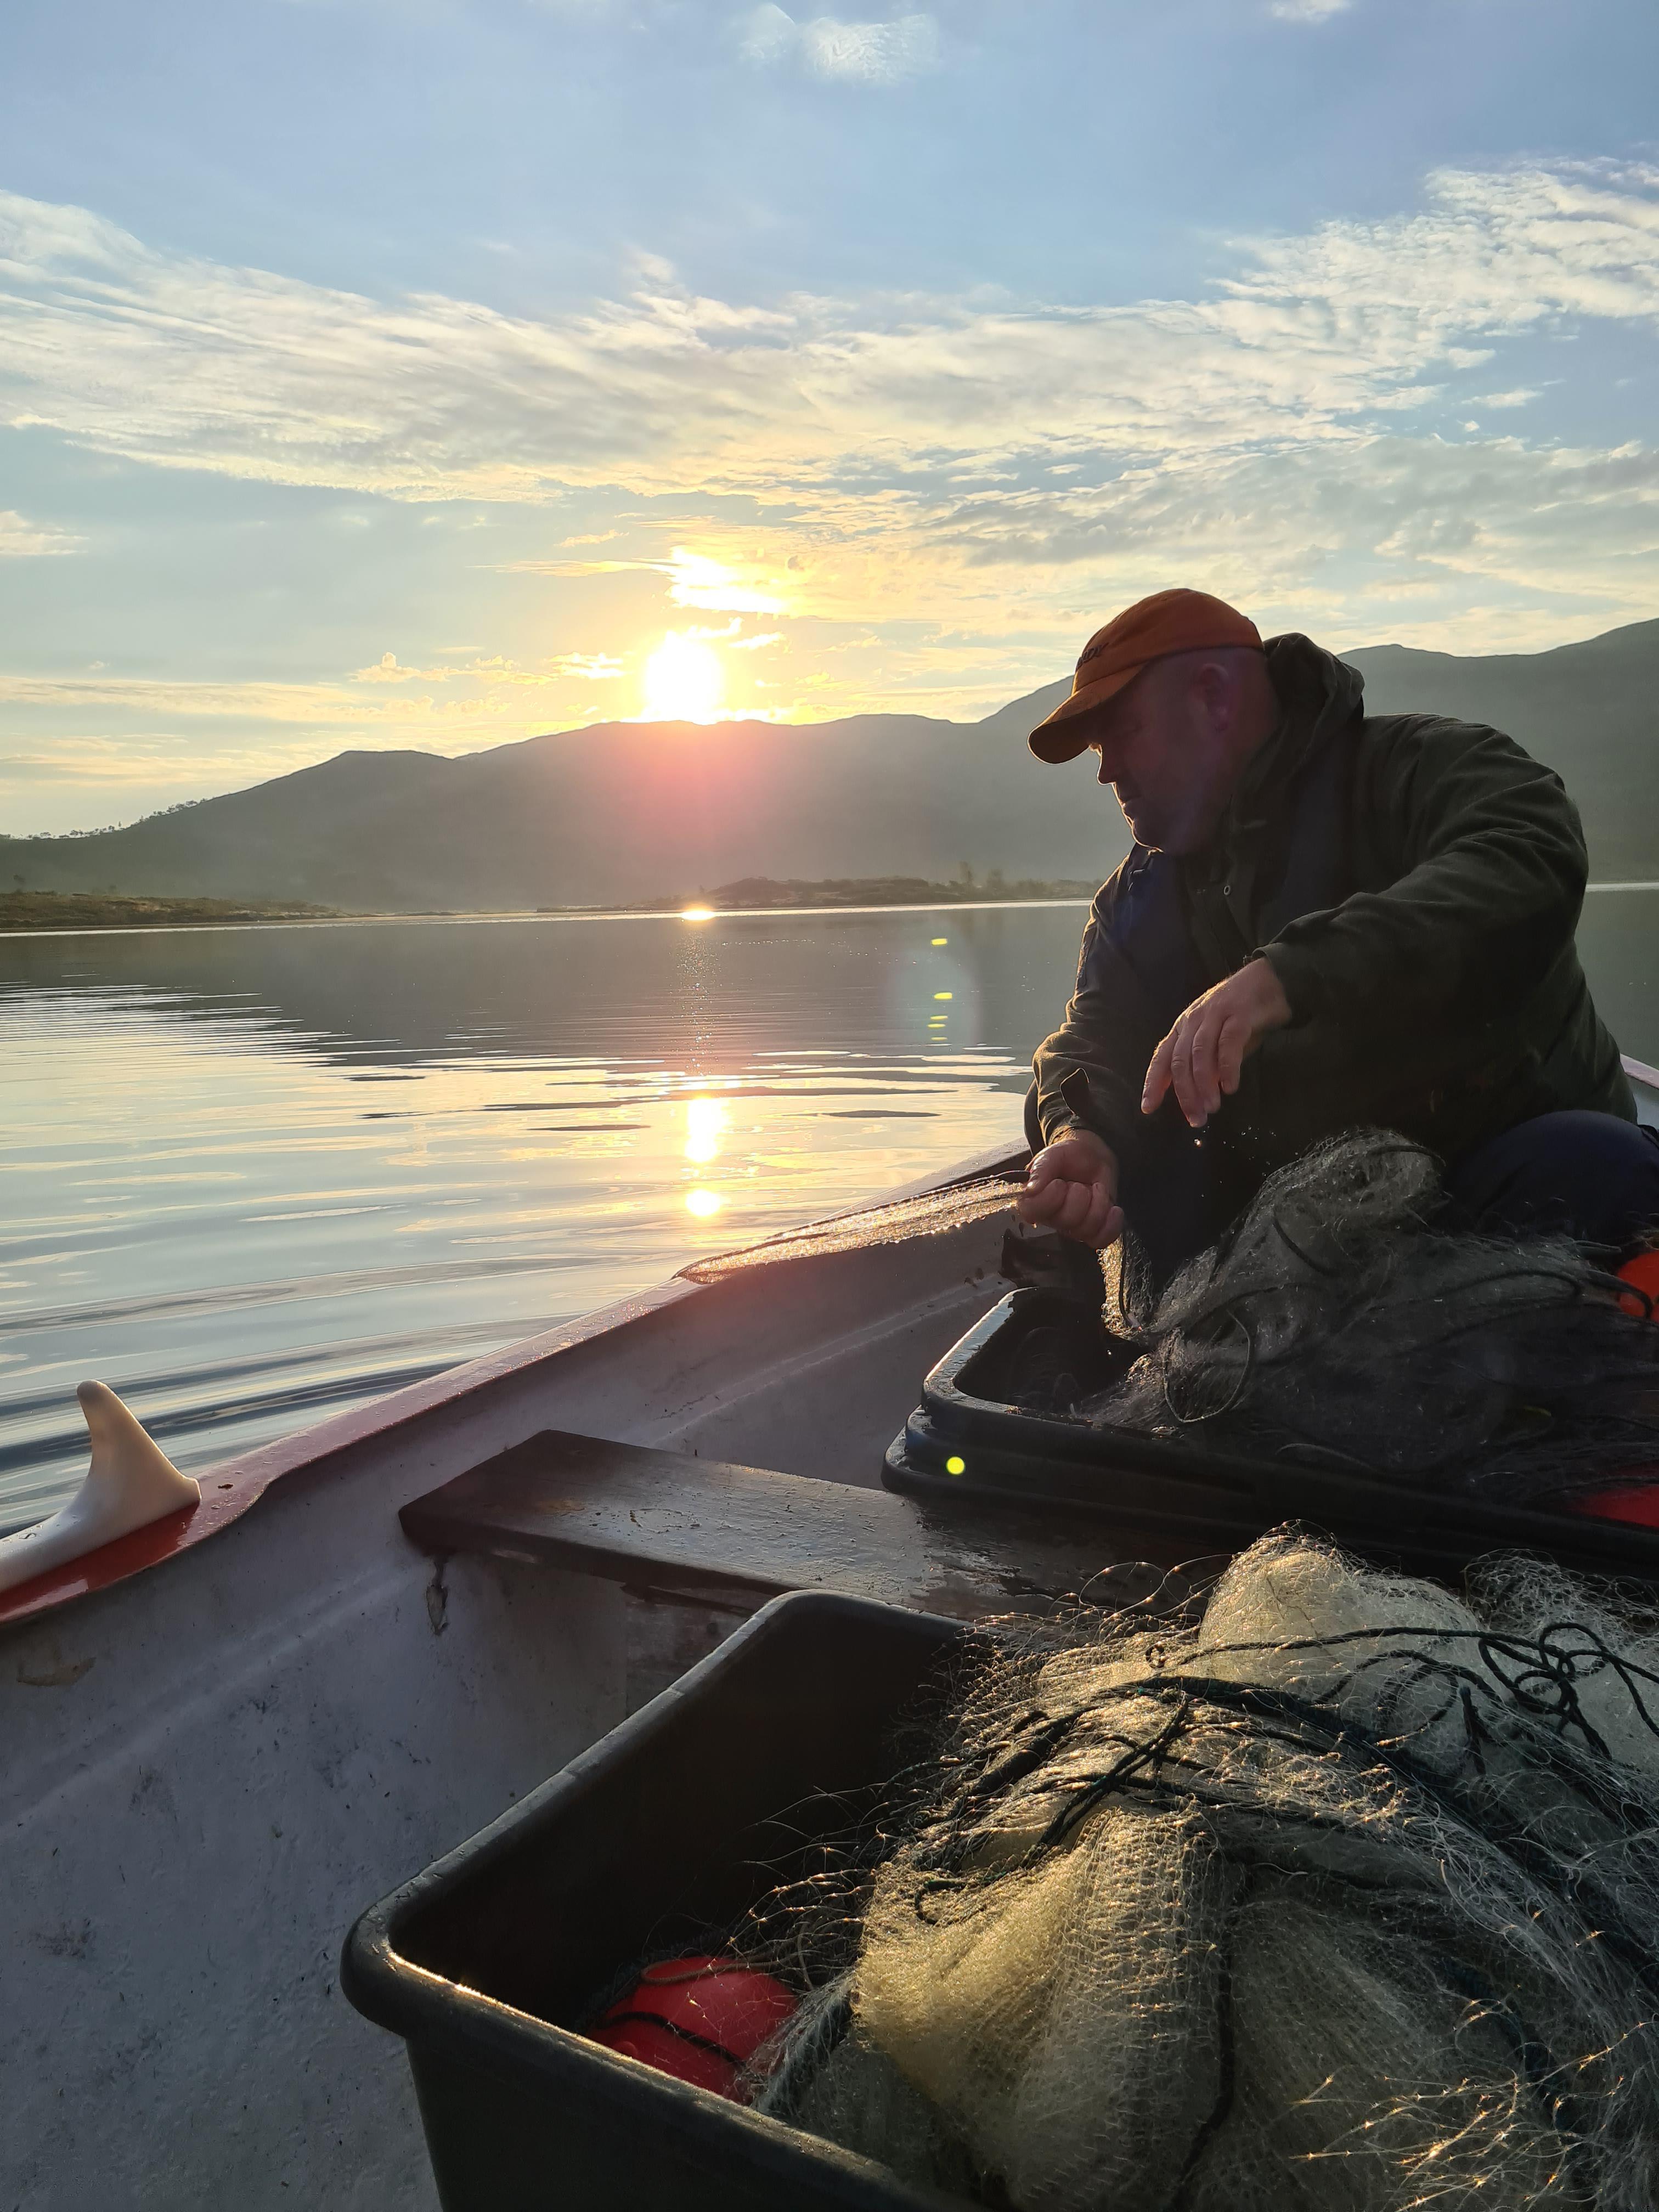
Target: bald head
x=1174 y=743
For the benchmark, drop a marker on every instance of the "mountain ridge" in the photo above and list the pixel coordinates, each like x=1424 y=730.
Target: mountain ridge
x=614 y=811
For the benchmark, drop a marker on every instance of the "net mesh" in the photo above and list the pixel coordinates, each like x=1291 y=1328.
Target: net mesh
x=931 y=1213
x=1343 y=1893
x=1342 y=1321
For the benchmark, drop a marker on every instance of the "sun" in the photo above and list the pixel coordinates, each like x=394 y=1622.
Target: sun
x=683 y=681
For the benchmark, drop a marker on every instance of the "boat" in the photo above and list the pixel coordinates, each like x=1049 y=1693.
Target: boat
x=228 y=1729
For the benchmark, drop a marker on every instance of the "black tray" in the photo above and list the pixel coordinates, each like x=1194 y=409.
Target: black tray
x=967 y=1439
x=673 y=1825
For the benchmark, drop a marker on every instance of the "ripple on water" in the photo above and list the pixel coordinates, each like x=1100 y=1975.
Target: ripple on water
x=210 y=1209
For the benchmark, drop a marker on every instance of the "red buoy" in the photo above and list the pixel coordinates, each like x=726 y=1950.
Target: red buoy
x=1634 y=1501
x=701 y=2020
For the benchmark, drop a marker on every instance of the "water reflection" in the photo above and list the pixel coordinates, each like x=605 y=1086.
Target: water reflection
x=254 y=1176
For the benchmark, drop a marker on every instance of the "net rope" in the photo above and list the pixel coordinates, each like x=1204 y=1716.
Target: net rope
x=931 y=1213
x=1340 y=1893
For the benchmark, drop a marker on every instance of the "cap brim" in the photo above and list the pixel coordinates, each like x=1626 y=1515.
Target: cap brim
x=1064 y=734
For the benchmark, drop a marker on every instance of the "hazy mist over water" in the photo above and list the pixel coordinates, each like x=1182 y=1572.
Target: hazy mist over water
x=252 y=1176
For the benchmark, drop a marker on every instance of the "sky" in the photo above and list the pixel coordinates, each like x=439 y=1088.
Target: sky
x=429 y=373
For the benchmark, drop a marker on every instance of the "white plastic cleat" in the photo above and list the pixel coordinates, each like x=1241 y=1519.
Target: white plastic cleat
x=130 y=1483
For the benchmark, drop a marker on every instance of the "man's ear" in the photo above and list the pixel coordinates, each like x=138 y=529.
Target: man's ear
x=1213 y=682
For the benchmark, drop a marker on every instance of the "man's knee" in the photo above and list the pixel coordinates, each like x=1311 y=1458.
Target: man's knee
x=1590 y=1175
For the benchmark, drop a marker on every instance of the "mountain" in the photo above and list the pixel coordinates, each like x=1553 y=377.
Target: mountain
x=621 y=811
x=625 y=810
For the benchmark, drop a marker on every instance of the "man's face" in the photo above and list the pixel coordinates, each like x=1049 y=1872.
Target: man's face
x=1160 y=749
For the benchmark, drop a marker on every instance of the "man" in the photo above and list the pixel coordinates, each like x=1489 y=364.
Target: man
x=1328 y=921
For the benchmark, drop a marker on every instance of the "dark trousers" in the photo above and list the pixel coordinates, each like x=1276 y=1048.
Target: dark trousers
x=1588 y=1176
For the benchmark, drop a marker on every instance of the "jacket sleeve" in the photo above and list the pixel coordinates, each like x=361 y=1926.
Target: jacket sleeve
x=1491 y=871
x=1110 y=1033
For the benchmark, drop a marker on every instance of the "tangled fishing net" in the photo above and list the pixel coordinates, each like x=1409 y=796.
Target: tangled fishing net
x=929 y=1213
x=1342 y=1321
x=1343 y=1898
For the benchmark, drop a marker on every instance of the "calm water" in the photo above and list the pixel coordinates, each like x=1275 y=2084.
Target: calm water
x=252 y=1177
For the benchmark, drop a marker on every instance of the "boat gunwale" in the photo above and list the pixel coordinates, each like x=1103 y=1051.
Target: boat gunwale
x=230 y=1489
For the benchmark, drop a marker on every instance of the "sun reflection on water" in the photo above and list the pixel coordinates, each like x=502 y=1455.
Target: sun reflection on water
x=705 y=1121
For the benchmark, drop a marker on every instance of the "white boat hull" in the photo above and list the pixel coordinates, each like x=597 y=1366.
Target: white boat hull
x=209 y=1768
x=212 y=1768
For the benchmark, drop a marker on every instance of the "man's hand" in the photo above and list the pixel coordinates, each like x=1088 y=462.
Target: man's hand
x=1072 y=1187
x=1204 y=1052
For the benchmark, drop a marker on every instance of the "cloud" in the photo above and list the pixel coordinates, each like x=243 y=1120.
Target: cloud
x=26 y=540
x=488 y=682
x=103 y=764
x=920 y=459
x=856 y=53
x=697 y=580
x=1308 y=11
x=193 y=364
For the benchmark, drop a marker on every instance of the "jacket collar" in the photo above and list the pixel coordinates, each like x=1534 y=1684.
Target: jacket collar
x=1319 y=696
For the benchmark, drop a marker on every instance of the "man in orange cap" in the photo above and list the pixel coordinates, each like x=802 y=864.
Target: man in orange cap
x=1327 y=921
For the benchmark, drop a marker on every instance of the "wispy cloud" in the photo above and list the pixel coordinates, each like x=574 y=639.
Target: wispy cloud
x=858 y=53
x=1308 y=11
x=26 y=540
x=485 y=687
x=924 y=458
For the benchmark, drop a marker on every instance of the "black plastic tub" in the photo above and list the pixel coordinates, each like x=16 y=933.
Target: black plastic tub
x=968 y=1438
x=673 y=1825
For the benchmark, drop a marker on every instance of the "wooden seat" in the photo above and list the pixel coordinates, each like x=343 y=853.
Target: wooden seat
x=671 y=1526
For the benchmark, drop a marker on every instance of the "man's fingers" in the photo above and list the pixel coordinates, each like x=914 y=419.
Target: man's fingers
x=1207 y=1090
x=1157 y=1075
x=1073 y=1215
x=1235 y=1041
x=1041 y=1201
x=1203 y=1056
x=1186 y=1083
x=1085 y=1211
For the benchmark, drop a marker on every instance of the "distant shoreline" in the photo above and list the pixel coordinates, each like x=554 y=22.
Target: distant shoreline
x=23 y=913
x=174 y=914
x=30 y=913
x=525 y=914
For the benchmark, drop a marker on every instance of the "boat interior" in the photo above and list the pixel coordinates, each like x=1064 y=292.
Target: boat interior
x=228 y=1733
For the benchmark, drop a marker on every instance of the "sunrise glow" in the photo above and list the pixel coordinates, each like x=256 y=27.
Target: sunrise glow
x=702 y=1203
x=683 y=681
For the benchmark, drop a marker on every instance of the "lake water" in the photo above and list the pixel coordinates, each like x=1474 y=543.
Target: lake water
x=252 y=1177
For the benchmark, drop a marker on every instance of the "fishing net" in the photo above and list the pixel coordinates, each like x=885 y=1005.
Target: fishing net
x=1343 y=1321
x=1343 y=1895
x=931 y=1213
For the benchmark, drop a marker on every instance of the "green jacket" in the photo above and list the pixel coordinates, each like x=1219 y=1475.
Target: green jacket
x=1415 y=882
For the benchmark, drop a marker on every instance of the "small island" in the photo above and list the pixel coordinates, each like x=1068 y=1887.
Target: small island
x=763 y=894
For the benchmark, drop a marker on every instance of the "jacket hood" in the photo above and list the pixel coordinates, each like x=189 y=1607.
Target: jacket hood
x=1320 y=694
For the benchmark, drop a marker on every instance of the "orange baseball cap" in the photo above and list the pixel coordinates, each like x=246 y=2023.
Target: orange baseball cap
x=1169 y=621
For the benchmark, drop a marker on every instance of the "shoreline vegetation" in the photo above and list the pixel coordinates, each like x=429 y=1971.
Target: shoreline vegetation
x=116 y=910
x=755 y=894
x=25 y=910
